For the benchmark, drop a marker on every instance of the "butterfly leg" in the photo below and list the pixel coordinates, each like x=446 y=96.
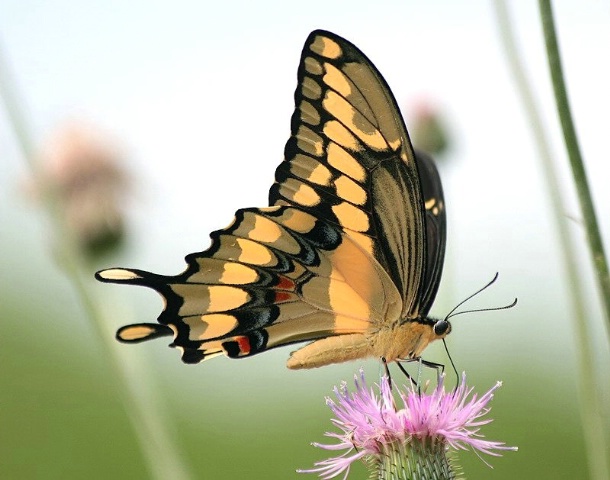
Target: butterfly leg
x=409 y=377
x=402 y=369
x=439 y=367
x=387 y=371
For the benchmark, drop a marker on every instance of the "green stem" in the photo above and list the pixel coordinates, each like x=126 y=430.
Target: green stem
x=589 y=391
x=413 y=459
x=578 y=169
x=162 y=456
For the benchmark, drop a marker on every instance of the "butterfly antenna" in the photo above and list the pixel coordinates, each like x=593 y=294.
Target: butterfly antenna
x=472 y=295
x=491 y=309
x=453 y=313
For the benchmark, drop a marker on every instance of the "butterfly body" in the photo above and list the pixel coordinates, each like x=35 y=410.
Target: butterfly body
x=401 y=342
x=347 y=256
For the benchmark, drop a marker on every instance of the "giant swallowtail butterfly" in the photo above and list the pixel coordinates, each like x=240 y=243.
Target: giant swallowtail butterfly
x=348 y=255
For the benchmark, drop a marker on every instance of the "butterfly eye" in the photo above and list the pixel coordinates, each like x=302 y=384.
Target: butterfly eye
x=442 y=327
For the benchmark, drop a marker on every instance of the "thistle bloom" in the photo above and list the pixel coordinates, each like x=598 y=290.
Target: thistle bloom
x=407 y=442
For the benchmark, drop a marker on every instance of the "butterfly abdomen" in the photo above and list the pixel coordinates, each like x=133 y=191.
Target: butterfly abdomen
x=342 y=348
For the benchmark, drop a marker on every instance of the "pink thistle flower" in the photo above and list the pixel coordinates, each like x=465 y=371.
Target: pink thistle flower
x=408 y=440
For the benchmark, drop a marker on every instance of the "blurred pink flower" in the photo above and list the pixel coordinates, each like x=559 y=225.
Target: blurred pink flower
x=85 y=173
x=428 y=130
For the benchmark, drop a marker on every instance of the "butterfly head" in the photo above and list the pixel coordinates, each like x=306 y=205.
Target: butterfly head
x=442 y=328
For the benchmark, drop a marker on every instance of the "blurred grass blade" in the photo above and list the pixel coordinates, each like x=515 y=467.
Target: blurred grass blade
x=578 y=169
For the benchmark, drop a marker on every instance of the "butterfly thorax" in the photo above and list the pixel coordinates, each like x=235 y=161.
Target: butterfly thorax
x=405 y=340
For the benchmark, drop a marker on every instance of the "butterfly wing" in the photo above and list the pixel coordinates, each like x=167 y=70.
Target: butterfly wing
x=267 y=280
x=349 y=160
x=341 y=251
x=435 y=229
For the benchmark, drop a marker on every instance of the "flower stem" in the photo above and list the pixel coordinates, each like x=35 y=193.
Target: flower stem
x=578 y=170
x=414 y=459
x=159 y=451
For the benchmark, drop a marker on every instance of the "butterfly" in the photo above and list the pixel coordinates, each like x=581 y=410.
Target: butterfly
x=349 y=254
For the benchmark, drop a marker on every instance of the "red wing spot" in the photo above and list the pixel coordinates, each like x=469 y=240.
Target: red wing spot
x=244 y=345
x=285 y=283
x=282 y=297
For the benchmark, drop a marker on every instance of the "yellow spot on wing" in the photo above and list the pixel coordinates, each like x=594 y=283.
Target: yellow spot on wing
x=344 y=162
x=395 y=145
x=310 y=169
x=306 y=195
x=212 y=270
x=210 y=326
x=341 y=135
x=136 y=332
x=297 y=220
x=351 y=217
x=264 y=230
x=320 y=175
x=350 y=190
x=254 y=253
x=238 y=274
x=299 y=192
x=326 y=47
x=348 y=116
x=223 y=298
x=199 y=299
x=336 y=80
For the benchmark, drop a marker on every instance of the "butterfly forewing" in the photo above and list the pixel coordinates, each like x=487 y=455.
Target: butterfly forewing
x=349 y=160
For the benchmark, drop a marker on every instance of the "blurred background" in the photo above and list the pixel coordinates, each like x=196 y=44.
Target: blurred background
x=186 y=107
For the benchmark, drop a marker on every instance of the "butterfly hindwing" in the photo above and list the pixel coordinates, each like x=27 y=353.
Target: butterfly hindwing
x=267 y=280
x=435 y=229
x=349 y=253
